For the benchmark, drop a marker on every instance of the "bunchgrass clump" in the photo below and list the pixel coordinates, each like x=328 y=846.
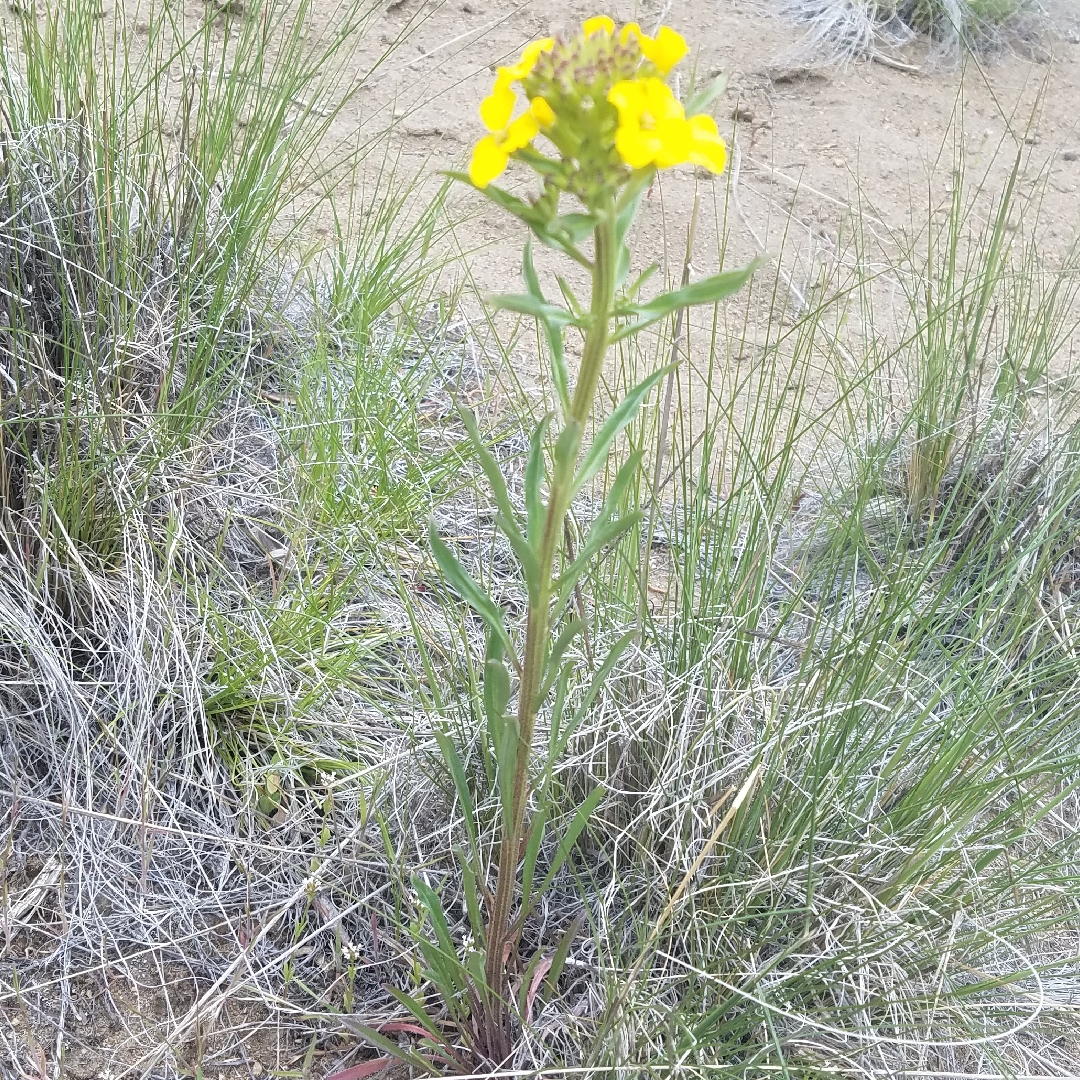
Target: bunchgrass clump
x=858 y=29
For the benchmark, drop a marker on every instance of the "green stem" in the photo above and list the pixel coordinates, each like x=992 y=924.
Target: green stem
x=499 y=938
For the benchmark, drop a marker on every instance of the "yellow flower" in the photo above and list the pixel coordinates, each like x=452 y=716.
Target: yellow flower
x=652 y=125
x=492 y=152
x=598 y=23
x=664 y=51
x=653 y=129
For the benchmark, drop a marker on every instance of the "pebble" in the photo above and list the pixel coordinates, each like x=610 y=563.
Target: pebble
x=1071 y=155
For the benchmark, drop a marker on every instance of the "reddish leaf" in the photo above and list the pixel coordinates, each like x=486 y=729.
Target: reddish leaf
x=538 y=975
x=365 y=1068
x=391 y=1027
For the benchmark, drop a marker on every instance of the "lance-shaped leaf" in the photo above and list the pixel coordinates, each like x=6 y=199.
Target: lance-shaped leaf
x=559 y=740
x=599 y=533
x=533 y=217
x=599 y=538
x=461 y=783
x=700 y=101
x=597 y=453
x=562 y=950
x=467 y=588
x=534 y=481
x=506 y=518
x=496 y=690
x=630 y=201
x=552 y=332
x=505 y=736
x=532 y=851
x=625 y=213
x=527 y=304
x=573 y=831
x=554 y=661
x=708 y=290
x=389 y=1046
x=472 y=896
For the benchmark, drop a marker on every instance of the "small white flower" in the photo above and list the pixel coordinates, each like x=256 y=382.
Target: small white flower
x=350 y=953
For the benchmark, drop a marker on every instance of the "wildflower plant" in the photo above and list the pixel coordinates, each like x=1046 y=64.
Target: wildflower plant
x=595 y=119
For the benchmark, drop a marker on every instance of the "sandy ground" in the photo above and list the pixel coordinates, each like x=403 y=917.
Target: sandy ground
x=816 y=146
x=867 y=132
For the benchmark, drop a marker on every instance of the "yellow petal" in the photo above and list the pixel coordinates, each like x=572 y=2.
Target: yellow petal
x=520 y=133
x=543 y=112
x=628 y=97
x=598 y=22
x=497 y=108
x=636 y=147
x=530 y=54
x=674 y=144
x=631 y=29
x=707 y=149
x=659 y=101
x=665 y=50
x=488 y=161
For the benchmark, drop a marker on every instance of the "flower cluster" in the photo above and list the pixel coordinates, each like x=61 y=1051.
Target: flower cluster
x=602 y=101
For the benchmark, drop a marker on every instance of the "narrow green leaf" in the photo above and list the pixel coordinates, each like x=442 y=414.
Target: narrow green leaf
x=640 y=280
x=630 y=201
x=622 y=264
x=562 y=950
x=506 y=518
x=474 y=965
x=552 y=332
x=526 y=304
x=599 y=538
x=472 y=896
x=595 y=541
x=597 y=453
x=579 y=821
x=444 y=971
x=461 y=783
x=525 y=554
x=467 y=588
x=602 y=673
x=496 y=690
x=526 y=984
x=505 y=735
x=392 y=1048
x=700 y=101
x=553 y=664
x=709 y=290
x=567 y=445
x=534 y=481
x=430 y=899
x=416 y=1011
x=532 y=850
